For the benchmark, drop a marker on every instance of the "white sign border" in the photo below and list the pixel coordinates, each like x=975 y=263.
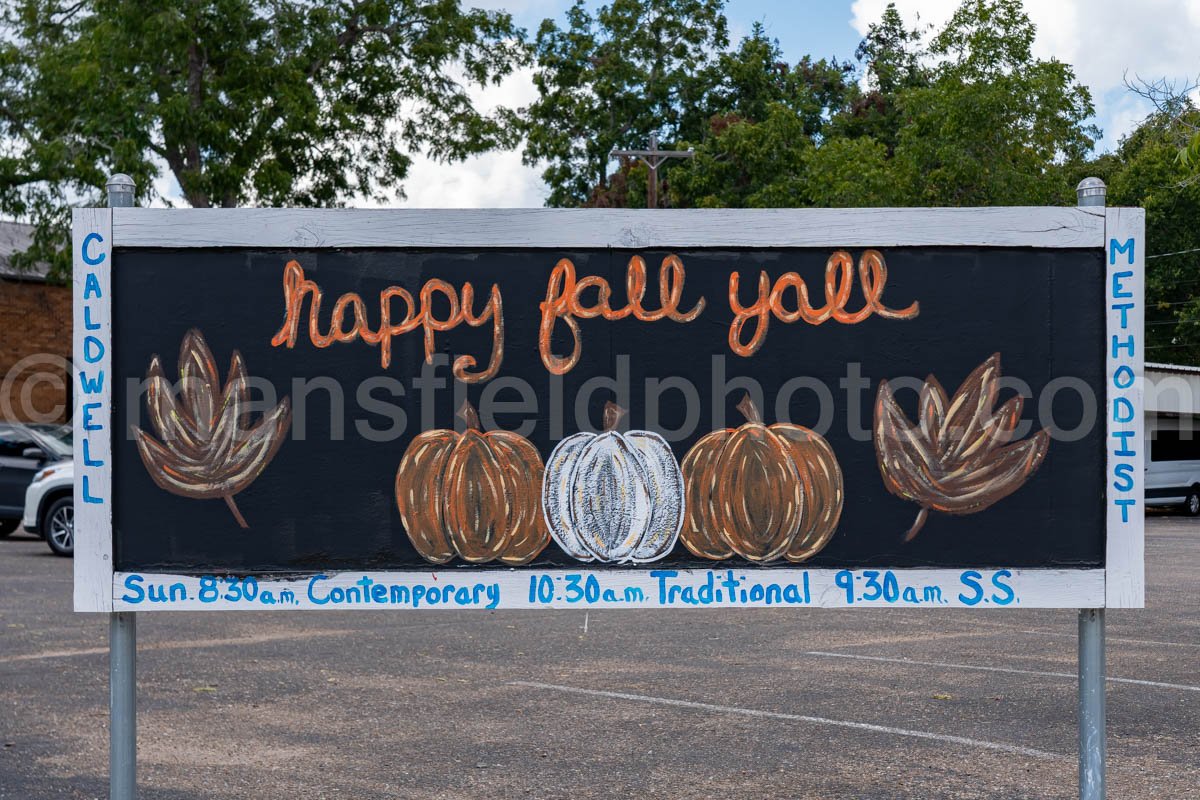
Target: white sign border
x=726 y=586
x=1124 y=412
x=99 y=588
x=91 y=377
x=1024 y=227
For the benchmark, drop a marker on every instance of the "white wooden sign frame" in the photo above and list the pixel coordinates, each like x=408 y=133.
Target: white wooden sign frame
x=1119 y=232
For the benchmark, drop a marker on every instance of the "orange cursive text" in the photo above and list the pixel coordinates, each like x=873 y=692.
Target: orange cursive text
x=839 y=280
x=417 y=314
x=564 y=300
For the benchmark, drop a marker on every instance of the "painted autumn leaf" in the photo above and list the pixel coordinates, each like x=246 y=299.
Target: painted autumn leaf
x=208 y=448
x=958 y=458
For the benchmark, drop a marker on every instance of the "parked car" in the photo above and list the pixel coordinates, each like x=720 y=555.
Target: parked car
x=1173 y=470
x=25 y=449
x=50 y=506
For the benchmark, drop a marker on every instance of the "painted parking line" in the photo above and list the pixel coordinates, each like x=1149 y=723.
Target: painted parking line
x=839 y=723
x=922 y=636
x=1108 y=637
x=1122 y=639
x=1009 y=670
x=982 y=628
x=1070 y=632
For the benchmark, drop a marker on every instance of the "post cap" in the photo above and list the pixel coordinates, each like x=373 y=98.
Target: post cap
x=1091 y=192
x=120 y=190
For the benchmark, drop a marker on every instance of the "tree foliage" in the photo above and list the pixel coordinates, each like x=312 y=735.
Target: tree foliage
x=970 y=118
x=752 y=78
x=278 y=102
x=994 y=124
x=891 y=58
x=764 y=118
x=1146 y=171
x=745 y=163
x=963 y=116
x=611 y=79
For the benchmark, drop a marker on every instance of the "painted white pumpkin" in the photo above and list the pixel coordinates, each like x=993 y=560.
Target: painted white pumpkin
x=613 y=497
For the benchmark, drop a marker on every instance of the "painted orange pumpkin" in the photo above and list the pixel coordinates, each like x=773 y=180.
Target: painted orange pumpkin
x=762 y=492
x=473 y=494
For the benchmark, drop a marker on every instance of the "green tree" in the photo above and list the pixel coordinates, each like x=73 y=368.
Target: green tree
x=995 y=124
x=774 y=164
x=279 y=102
x=891 y=58
x=1174 y=115
x=1146 y=171
x=749 y=79
x=635 y=68
x=765 y=116
x=746 y=164
x=972 y=119
x=844 y=173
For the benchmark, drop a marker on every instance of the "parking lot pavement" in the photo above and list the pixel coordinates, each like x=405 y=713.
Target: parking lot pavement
x=765 y=703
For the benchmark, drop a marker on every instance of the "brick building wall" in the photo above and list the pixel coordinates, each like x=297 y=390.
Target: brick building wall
x=35 y=349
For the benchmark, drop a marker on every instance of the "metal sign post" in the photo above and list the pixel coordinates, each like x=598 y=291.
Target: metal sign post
x=122 y=638
x=1092 y=749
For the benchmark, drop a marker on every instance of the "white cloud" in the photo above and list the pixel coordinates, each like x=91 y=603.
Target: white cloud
x=492 y=180
x=497 y=179
x=864 y=13
x=1102 y=39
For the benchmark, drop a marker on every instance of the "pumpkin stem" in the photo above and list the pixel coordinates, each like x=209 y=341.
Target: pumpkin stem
x=918 y=523
x=467 y=413
x=612 y=416
x=749 y=409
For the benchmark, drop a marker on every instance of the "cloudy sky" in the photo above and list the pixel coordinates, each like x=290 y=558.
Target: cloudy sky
x=1102 y=39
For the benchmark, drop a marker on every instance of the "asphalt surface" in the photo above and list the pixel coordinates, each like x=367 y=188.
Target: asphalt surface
x=765 y=703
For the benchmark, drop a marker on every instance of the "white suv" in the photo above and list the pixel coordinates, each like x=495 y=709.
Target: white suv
x=50 y=506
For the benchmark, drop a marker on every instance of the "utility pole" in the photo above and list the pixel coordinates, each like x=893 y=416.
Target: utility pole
x=652 y=158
